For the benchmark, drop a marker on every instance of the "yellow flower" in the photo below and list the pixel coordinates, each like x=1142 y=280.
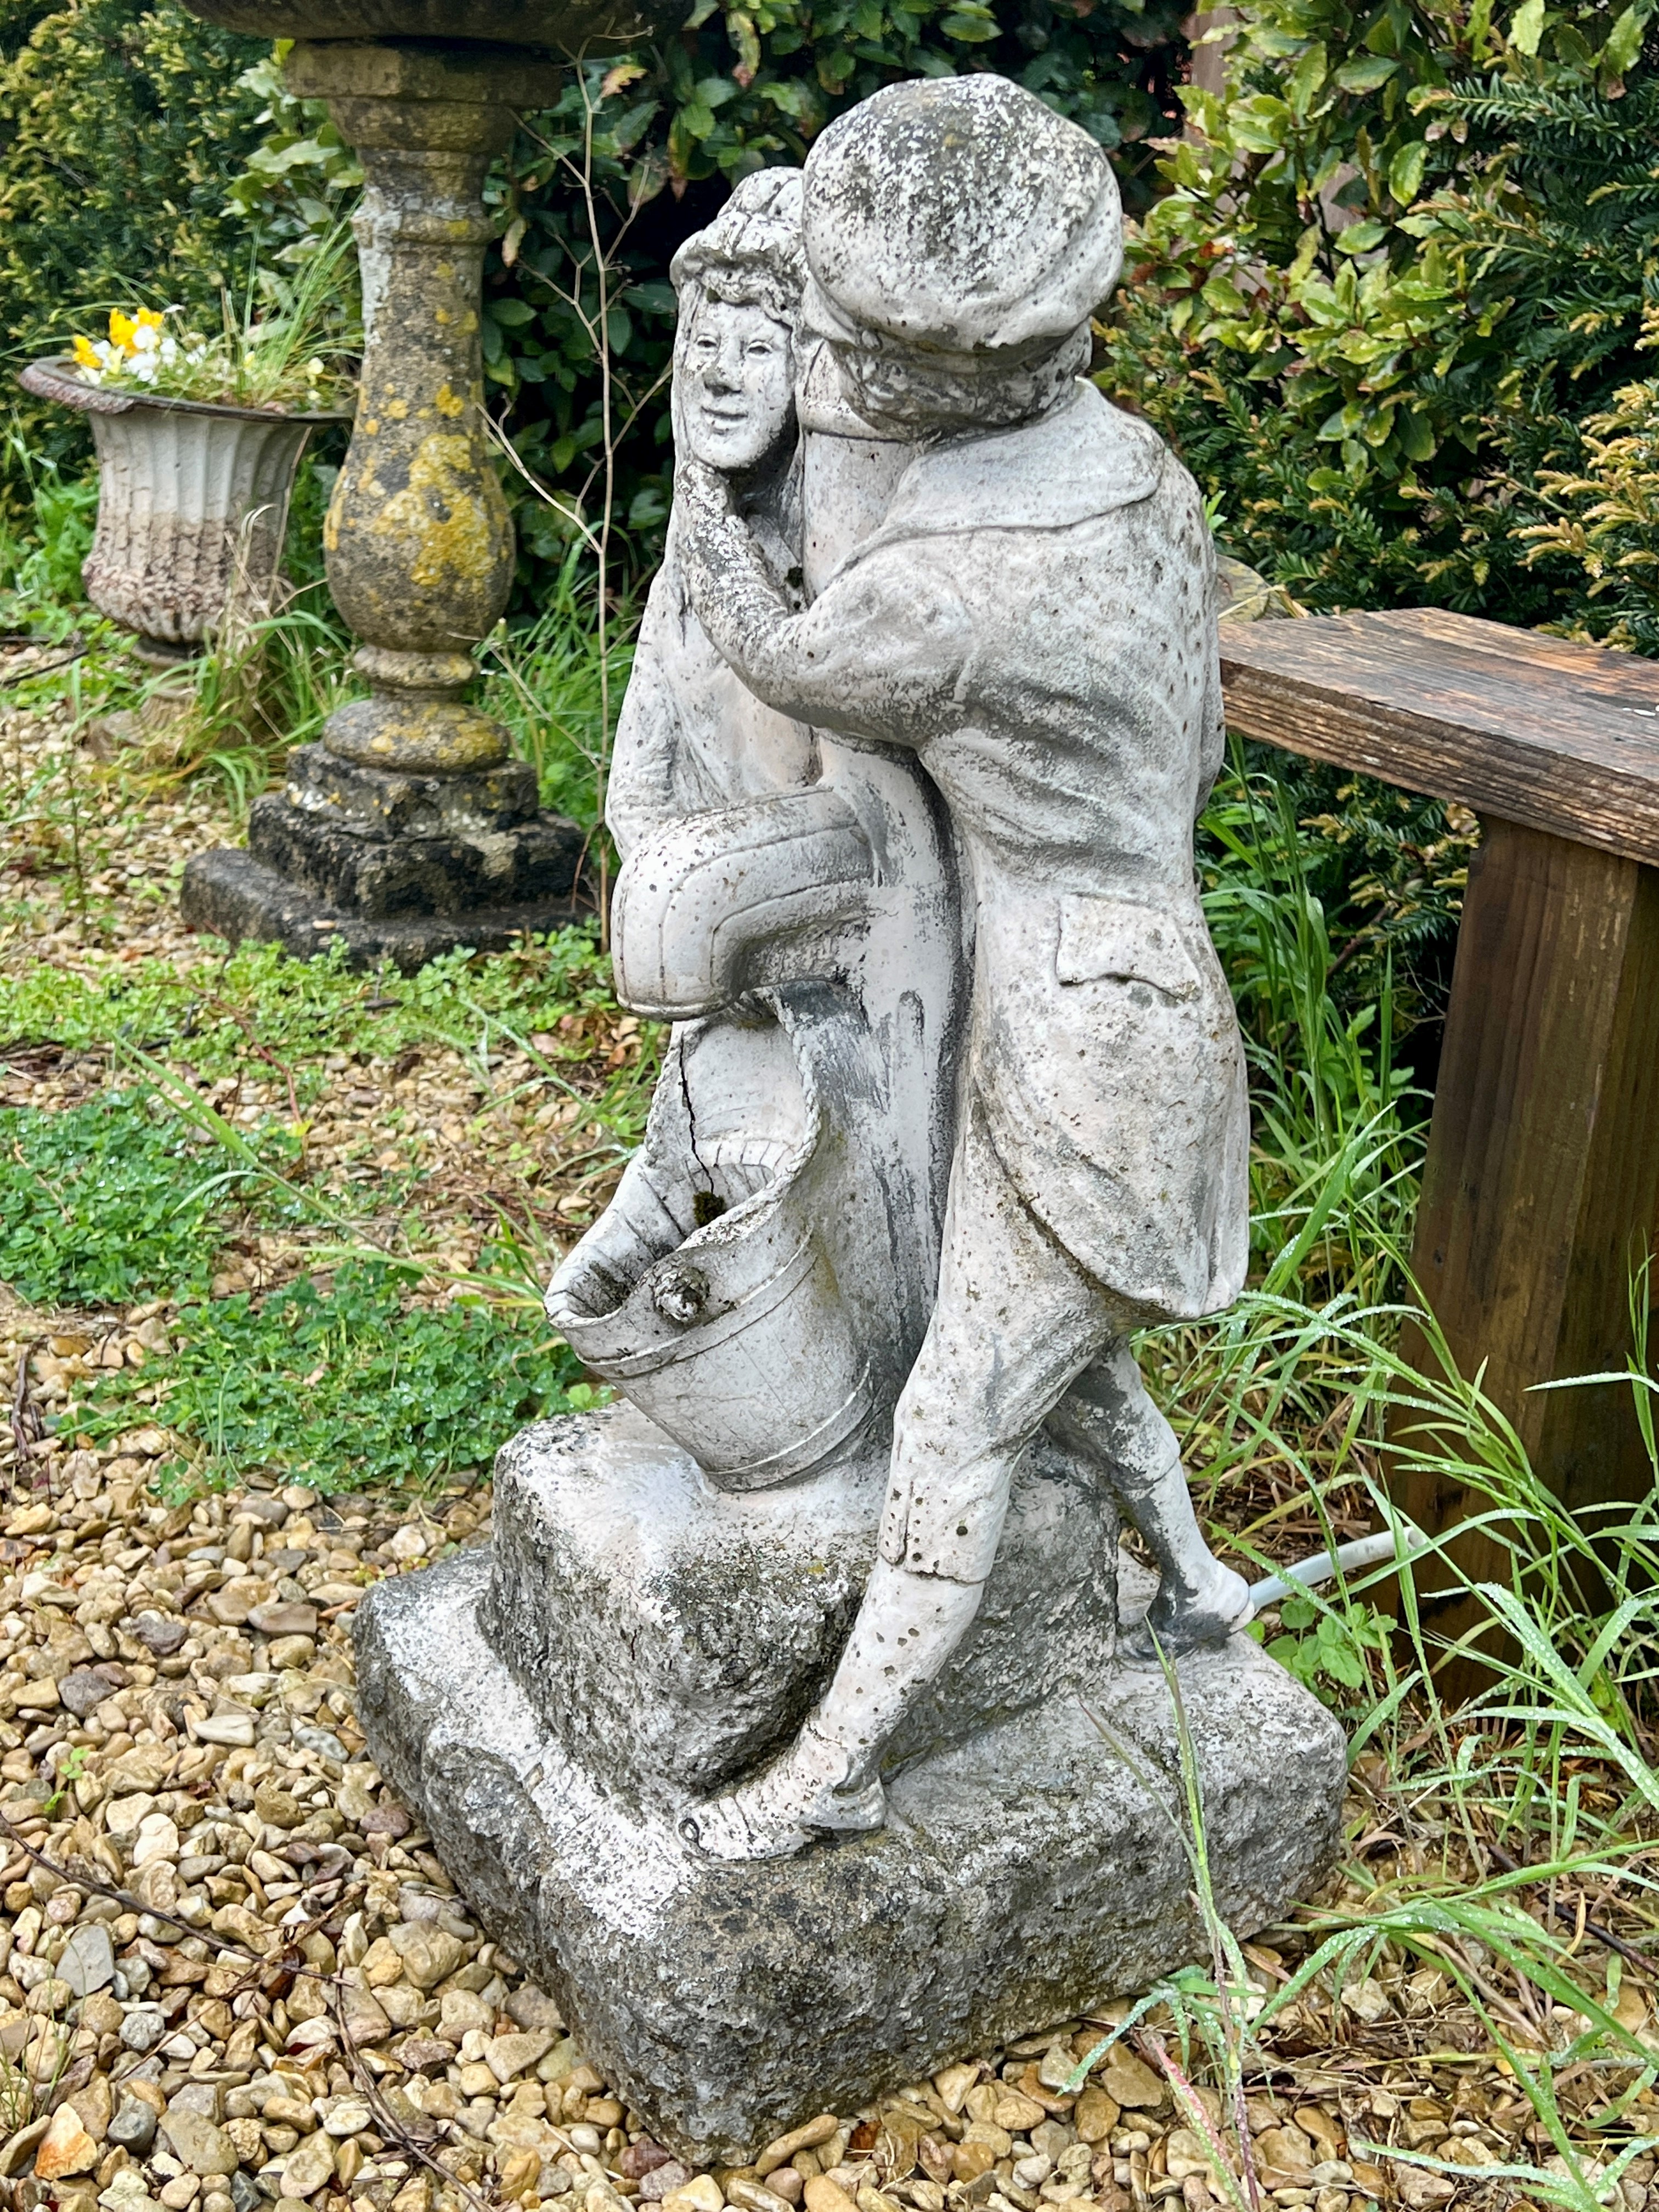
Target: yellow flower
x=135 y=333
x=85 y=355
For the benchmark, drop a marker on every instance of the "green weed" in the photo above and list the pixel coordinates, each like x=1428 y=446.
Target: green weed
x=114 y=1200
x=338 y=1385
x=257 y=1001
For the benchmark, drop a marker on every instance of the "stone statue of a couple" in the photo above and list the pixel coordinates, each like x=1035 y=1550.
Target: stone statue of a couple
x=1032 y=620
x=793 y=1681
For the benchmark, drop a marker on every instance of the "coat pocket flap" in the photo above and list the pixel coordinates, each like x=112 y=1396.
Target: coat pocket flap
x=1104 y=939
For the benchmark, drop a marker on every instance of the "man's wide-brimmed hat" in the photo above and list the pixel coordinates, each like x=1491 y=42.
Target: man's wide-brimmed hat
x=961 y=215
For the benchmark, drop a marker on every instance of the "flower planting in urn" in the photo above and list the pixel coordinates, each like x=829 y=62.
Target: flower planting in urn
x=192 y=503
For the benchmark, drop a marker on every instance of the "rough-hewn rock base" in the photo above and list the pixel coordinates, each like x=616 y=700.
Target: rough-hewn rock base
x=234 y=895
x=1025 y=1874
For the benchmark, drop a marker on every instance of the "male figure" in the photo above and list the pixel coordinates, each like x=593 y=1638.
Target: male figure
x=1034 y=616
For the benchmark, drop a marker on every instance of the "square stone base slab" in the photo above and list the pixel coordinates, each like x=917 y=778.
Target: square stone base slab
x=1024 y=1876
x=386 y=878
x=234 y=895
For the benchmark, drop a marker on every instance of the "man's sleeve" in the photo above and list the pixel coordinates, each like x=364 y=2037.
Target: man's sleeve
x=882 y=654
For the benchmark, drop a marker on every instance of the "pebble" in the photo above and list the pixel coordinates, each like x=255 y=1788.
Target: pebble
x=429 y=1954
x=134 y=2126
x=232 y=1725
x=160 y=1633
x=142 y=2029
x=309 y=2168
x=65 y=2148
x=126 y=2192
x=823 y=2195
x=805 y=2137
x=87 y=1961
x=509 y=2056
x=1127 y=2082
x=663 y=2180
x=83 y=1690
x=157 y=1838
x=283 y=1617
x=703 y=2194
x=203 y=2146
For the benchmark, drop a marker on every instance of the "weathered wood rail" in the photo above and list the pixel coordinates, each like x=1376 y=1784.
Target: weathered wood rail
x=1540 y=1189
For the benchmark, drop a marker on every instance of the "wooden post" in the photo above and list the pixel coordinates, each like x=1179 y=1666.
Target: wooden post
x=1540 y=1190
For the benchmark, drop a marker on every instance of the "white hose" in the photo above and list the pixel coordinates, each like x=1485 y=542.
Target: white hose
x=1347 y=1558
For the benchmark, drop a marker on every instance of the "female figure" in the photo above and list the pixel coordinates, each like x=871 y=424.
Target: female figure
x=691 y=738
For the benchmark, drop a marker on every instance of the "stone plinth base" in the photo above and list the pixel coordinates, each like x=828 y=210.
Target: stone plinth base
x=230 y=893
x=731 y=1605
x=397 y=866
x=1028 y=1871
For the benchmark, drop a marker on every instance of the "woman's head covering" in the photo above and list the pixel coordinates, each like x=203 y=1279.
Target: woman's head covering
x=752 y=250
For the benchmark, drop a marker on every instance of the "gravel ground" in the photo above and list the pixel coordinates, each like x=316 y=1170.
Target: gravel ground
x=232 y=1972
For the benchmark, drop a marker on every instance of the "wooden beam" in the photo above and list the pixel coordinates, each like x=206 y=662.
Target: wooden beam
x=1540 y=1189
x=1540 y=731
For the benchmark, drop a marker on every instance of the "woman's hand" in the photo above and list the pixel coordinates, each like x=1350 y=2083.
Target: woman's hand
x=703 y=491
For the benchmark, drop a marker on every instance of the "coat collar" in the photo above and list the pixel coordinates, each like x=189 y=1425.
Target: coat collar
x=1084 y=460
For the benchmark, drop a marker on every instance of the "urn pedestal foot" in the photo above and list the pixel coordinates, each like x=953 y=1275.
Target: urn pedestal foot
x=1032 y=1865
x=398 y=867
x=234 y=895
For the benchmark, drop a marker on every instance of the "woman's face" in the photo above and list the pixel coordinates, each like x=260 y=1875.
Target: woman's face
x=738 y=399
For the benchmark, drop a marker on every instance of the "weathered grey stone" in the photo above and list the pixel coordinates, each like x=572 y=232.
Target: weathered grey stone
x=234 y=895
x=134 y=2124
x=382 y=802
x=87 y=1959
x=160 y=1632
x=84 y=1689
x=732 y=1605
x=142 y=2029
x=377 y=876
x=1023 y=1875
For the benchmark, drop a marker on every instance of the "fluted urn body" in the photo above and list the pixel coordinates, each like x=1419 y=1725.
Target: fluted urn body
x=193 y=506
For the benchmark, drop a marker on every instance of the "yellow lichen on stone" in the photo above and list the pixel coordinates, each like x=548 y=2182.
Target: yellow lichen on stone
x=449 y=402
x=445 y=514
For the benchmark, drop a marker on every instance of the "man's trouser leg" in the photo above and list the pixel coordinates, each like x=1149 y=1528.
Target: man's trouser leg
x=1015 y=1322
x=1108 y=1419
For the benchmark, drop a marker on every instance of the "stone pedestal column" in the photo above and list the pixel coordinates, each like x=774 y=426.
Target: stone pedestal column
x=410 y=828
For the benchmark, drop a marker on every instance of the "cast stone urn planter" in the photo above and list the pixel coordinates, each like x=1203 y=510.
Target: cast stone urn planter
x=192 y=502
